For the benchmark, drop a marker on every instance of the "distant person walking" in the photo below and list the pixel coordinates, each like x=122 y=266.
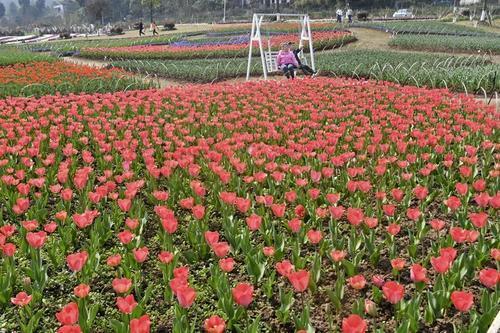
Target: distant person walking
x=349 y=14
x=339 y=13
x=141 y=29
x=154 y=28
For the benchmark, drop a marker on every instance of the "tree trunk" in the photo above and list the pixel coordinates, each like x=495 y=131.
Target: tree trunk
x=483 y=12
x=151 y=10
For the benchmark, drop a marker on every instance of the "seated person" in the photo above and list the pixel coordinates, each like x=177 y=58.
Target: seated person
x=305 y=69
x=286 y=61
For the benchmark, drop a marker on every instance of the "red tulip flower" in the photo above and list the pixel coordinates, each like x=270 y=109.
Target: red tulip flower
x=126 y=304
x=227 y=265
x=68 y=315
x=243 y=294
x=337 y=255
x=459 y=235
x=124 y=204
x=378 y=280
x=489 y=277
x=398 y=264
x=169 y=224
x=495 y=254
x=221 y=249
x=21 y=299
x=314 y=236
x=479 y=220
x=299 y=280
x=449 y=253
x=186 y=296
x=453 y=203
x=253 y=222
x=36 y=239
x=413 y=214
x=140 y=325
x=177 y=284
x=278 y=209
x=441 y=264
x=462 y=300
x=181 y=272
x=198 y=212
x=82 y=290
x=355 y=216
x=121 y=286
x=214 y=324
x=357 y=282
x=393 y=291
x=114 y=260
x=268 y=251
x=295 y=224
x=140 y=254
x=69 y=329
x=125 y=237
x=165 y=257
x=8 y=249
x=284 y=268
x=211 y=237
x=336 y=212
x=437 y=224
x=77 y=260
x=393 y=229
x=354 y=324
x=418 y=273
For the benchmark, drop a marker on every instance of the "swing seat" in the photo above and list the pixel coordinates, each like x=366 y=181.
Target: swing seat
x=271 y=61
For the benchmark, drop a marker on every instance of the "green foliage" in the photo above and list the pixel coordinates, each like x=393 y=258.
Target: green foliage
x=471 y=74
x=429 y=27
x=12 y=55
x=448 y=43
x=84 y=85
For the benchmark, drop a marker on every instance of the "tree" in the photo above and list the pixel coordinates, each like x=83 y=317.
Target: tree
x=2 y=10
x=40 y=7
x=24 y=4
x=13 y=9
x=96 y=8
x=152 y=5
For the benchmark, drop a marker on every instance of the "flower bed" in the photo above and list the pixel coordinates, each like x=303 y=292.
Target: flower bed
x=322 y=204
x=471 y=74
x=271 y=27
x=12 y=55
x=476 y=44
x=425 y=28
x=41 y=78
x=322 y=40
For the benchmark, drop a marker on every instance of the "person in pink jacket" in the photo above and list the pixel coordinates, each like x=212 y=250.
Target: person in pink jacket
x=286 y=61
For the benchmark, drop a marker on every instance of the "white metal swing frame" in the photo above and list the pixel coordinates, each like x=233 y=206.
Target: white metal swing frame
x=268 y=57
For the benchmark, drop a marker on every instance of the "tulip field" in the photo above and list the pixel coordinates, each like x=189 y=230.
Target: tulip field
x=365 y=199
x=313 y=205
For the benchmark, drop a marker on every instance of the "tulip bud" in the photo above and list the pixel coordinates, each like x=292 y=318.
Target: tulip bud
x=370 y=307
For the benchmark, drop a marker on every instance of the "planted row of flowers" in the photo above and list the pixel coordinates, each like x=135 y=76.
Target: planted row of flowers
x=42 y=78
x=322 y=40
x=286 y=206
x=271 y=27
